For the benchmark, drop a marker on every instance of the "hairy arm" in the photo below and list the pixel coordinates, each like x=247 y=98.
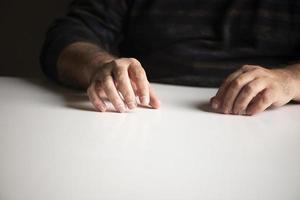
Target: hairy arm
x=78 y=62
x=295 y=73
x=87 y=66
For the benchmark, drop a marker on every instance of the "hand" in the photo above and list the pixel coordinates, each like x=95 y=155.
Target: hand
x=252 y=89
x=123 y=76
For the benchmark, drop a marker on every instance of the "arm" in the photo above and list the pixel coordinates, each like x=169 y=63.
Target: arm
x=96 y=22
x=295 y=75
x=80 y=51
x=87 y=66
x=78 y=62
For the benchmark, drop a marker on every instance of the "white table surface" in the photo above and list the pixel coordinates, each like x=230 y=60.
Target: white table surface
x=53 y=146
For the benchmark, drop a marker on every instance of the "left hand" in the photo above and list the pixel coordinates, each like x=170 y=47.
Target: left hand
x=253 y=89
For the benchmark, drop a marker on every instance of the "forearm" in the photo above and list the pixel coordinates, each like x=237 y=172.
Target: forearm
x=78 y=61
x=295 y=74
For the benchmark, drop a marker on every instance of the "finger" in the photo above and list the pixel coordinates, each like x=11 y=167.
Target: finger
x=134 y=87
x=124 y=86
x=247 y=94
x=95 y=99
x=234 y=89
x=154 y=101
x=99 y=90
x=233 y=76
x=263 y=101
x=112 y=94
x=216 y=100
x=138 y=76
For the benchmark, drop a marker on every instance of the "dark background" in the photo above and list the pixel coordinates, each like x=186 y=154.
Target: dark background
x=23 y=25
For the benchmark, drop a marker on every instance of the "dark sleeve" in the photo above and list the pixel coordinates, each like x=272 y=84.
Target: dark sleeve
x=100 y=22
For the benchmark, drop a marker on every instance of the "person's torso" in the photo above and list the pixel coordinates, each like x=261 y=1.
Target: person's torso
x=174 y=37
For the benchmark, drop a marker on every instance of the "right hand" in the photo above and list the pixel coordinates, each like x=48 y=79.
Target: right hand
x=123 y=76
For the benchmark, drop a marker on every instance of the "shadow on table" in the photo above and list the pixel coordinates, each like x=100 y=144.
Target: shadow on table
x=204 y=106
x=71 y=98
x=77 y=99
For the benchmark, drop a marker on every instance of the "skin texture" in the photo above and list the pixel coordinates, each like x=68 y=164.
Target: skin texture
x=125 y=76
x=250 y=90
x=119 y=80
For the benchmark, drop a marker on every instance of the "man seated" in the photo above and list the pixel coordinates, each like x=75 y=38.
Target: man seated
x=113 y=48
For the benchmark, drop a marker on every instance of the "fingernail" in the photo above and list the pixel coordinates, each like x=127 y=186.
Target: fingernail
x=215 y=104
x=144 y=100
x=131 y=105
x=121 y=108
x=248 y=113
x=159 y=102
x=243 y=112
x=102 y=108
x=226 y=111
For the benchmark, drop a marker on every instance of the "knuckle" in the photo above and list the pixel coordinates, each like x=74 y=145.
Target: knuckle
x=121 y=76
x=97 y=104
x=118 y=68
x=118 y=71
x=104 y=71
x=105 y=81
x=249 y=88
x=139 y=74
x=256 y=66
x=115 y=62
x=118 y=64
x=144 y=91
x=227 y=80
x=92 y=99
x=91 y=93
x=98 y=85
x=259 y=70
x=120 y=86
x=250 y=67
x=247 y=67
x=116 y=103
x=128 y=97
x=266 y=97
x=114 y=99
x=237 y=83
x=89 y=90
x=134 y=61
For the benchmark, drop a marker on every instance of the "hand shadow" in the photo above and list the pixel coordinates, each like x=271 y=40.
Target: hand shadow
x=71 y=98
x=205 y=106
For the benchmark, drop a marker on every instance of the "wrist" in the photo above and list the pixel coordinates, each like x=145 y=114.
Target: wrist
x=101 y=58
x=294 y=81
x=97 y=61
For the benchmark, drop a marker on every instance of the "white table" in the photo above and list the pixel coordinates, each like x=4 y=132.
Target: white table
x=53 y=146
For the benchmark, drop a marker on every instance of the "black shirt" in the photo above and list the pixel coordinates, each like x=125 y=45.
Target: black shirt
x=191 y=42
